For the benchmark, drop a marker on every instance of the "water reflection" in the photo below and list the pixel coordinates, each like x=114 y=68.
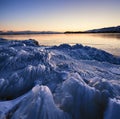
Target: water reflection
x=106 y=41
x=108 y=35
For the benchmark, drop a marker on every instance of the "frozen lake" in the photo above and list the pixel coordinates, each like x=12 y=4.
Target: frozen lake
x=109 y=42
x=61 y=82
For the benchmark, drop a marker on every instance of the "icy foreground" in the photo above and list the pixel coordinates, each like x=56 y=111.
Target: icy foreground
x=59 y=82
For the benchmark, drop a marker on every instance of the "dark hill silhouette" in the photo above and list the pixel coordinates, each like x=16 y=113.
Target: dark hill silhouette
x=101 y=30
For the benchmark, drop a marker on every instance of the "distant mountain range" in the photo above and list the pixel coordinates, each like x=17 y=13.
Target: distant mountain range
x=101 y=30
x=106 y=30
x=27 y=32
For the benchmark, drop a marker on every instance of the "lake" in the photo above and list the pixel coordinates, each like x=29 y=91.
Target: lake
x=109 y=42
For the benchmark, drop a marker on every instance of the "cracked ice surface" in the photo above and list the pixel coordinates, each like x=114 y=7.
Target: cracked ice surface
x=57 y=82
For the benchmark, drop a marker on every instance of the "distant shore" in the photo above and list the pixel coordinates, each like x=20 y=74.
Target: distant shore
x=101 y=30
x=68 y=32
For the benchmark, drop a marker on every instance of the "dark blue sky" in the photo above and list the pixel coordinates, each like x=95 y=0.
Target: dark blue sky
x=58 y=15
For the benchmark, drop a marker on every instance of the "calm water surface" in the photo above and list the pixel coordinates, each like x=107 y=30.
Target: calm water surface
x=108 y=42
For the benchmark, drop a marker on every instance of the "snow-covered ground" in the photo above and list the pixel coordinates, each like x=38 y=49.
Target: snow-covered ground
x=57 y=82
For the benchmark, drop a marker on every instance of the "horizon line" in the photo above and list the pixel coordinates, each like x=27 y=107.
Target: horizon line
x=5 y=31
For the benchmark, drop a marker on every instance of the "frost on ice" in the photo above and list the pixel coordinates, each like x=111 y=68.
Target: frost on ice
x=58 y=82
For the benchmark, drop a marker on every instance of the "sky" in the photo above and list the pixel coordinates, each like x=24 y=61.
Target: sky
x=58 y=15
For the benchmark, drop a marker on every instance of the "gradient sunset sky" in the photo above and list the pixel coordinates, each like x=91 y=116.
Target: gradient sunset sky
x=58 y=15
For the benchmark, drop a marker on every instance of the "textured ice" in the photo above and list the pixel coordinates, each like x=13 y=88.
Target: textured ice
x=58 y=82
x=113 y=109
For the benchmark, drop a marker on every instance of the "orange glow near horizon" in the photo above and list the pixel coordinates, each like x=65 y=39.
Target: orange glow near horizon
x=55 y=27
x=58 y=15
